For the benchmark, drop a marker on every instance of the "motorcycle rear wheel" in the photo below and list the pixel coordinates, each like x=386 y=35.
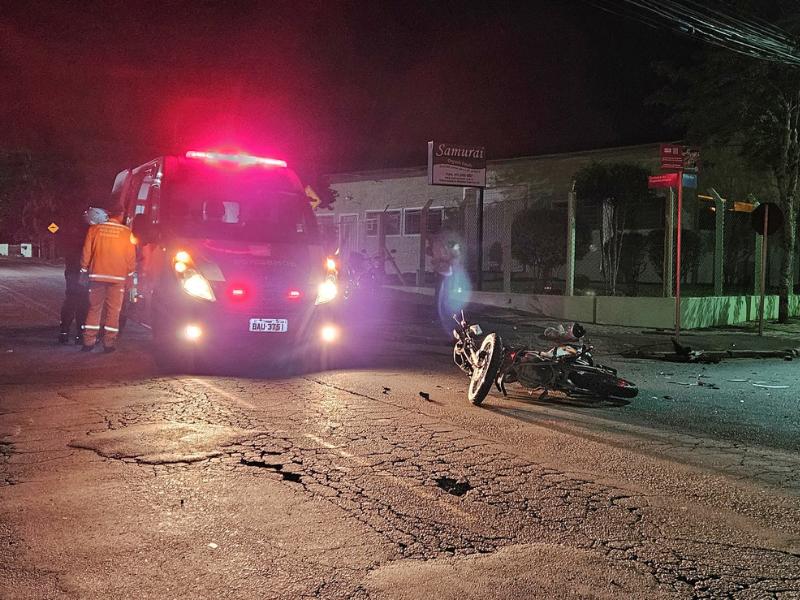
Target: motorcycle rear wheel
x=604 y=385
x=485 y=373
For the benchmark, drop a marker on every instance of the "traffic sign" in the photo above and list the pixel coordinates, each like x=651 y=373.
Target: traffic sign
x=52 y=228
x=690 y=180
x=664 y=180
x=671 y=156
x=675 y=156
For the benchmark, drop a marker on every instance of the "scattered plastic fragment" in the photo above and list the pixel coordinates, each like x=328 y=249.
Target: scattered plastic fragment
x=213 y=546
x=771 y=387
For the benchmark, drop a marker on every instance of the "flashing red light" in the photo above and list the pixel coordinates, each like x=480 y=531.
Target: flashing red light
x=237 y=293
x=294 y=294
x=242 y=159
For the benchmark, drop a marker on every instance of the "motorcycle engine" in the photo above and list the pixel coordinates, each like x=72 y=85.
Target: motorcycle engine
x=535 y=375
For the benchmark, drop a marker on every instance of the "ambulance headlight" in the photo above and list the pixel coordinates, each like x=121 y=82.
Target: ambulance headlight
x=198 y=286
x=326 y=291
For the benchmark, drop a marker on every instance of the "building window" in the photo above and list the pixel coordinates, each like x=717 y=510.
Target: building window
x=392 y=222
x=412 y=216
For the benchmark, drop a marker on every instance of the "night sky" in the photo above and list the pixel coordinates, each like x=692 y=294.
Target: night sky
x=328 y=85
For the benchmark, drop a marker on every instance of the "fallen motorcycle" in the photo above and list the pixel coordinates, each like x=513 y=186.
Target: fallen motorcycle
x=567 y=367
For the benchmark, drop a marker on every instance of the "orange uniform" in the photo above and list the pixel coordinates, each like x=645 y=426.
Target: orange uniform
x=109 y=256
x=108 y=253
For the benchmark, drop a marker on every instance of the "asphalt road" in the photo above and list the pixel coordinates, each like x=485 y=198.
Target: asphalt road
x=252 y=481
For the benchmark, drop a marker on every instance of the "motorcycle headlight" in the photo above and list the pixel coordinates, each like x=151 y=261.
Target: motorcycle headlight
x=198 y=286
x=327 y=291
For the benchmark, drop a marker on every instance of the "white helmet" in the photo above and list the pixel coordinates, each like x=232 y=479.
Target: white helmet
x=95 y=215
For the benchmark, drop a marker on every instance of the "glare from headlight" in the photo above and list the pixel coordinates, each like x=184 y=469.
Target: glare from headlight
x=196 y=285
x=329 y=333
x=327 y=291
x=192 y=332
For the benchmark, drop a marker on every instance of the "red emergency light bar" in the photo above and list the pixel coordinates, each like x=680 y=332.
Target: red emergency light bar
x=242 y=159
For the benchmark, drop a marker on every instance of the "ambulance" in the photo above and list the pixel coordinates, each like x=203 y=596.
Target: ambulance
x=229 y=257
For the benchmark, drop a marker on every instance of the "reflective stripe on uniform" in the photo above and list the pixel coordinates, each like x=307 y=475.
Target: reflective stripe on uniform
x=96 y=275
x=107 y=328
x=91 y=326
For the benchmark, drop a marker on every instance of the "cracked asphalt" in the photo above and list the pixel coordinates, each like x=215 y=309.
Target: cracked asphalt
x=120 y=482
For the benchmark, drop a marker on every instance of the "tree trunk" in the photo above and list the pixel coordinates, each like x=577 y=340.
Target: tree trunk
x=787 y=264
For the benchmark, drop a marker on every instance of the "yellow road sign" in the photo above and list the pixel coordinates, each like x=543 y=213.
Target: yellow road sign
x=52 y=228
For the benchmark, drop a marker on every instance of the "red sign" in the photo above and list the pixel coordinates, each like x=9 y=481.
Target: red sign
x=663 y=181
x=671 y=156
x=674 y=156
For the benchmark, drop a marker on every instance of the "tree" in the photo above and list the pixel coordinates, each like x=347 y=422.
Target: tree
x=35 y=190
x=726 y=97
x=539 y=240
x=633 y=260
x=692 y=248
x=614 y=189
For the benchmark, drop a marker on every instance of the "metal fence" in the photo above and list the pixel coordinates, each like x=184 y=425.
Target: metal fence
x=642 y=264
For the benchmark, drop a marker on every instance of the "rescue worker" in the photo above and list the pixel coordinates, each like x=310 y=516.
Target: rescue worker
x=76 y=298
x=109 y=259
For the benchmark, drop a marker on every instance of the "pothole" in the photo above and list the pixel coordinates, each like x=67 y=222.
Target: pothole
x=453 y=486
x=163 y=443
x=277 y=467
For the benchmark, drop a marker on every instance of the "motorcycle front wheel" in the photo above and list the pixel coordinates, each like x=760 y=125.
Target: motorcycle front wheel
x=604 y=385
x=490 y=357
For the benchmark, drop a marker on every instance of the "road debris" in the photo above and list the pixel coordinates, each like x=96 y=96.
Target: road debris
x=386 y=390
x=771 y=387
x=213 y=546
x=425 y=395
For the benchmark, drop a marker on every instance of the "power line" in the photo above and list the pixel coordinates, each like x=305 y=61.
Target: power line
x=749 y=36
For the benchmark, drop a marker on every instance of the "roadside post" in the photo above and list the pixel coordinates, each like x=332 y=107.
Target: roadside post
x=423 y=241
x=382 y=238
x=765 y=225
x=684 y=162
x=461 y=165
x=570 y=283
x=719 y=241
x=669 y=244
x=479 y=253
x=671 y=180
x=53 y=229
x=506 y=242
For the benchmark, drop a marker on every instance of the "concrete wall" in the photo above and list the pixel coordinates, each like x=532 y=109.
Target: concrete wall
x=573 y=308
x=651 y=313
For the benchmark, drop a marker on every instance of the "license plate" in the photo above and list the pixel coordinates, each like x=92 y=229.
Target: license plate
x=269 y=325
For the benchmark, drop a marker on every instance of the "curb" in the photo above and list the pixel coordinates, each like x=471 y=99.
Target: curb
x=713 y=355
